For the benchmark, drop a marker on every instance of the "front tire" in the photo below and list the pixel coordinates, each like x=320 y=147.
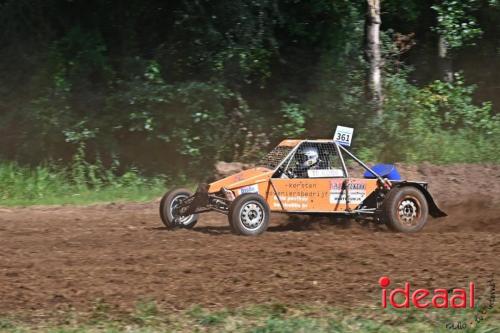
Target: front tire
x=249 y=215
x=406 y=209
x=167 y=210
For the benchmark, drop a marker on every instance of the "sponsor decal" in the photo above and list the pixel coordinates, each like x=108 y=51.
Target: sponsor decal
x=357 y=192
x=249 y=189
x=291 y=202
x=297 y=196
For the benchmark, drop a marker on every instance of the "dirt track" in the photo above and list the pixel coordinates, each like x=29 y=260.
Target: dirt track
x=62 y=257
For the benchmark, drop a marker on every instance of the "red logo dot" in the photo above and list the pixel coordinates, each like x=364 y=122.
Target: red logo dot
x=384 y=281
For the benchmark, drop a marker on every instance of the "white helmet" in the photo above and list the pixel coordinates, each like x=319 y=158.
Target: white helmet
x=308 y=156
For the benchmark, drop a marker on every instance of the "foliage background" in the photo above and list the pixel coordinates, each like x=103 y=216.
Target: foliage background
x=153 y=87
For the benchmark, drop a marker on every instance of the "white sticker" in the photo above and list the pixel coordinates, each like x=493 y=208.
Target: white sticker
x=249 y=189
x=343 y=135
x=325 y=173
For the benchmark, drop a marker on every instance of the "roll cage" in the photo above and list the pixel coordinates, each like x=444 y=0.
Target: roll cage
x=338 y=149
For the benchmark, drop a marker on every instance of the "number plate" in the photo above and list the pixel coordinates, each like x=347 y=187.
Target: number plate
x=343 y=135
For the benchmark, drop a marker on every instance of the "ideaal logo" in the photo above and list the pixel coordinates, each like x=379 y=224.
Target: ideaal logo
x=456 y=298
x=460 y=298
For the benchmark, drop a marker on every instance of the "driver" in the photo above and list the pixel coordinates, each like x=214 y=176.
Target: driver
x=307 y=159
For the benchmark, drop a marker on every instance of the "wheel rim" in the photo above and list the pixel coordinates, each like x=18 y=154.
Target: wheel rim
x=409 y=211
x=252 y=215
x=184 y=220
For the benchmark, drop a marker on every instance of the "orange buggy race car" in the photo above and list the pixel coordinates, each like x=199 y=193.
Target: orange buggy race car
x=305 y=177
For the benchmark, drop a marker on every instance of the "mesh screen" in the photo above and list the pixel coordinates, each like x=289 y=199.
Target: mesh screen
x=275 y=156
x=328 y=161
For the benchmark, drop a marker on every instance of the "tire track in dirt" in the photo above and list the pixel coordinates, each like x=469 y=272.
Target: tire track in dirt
x=68 y=257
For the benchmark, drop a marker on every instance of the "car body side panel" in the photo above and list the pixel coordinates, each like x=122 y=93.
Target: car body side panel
x=242 y=179
x=316 y=194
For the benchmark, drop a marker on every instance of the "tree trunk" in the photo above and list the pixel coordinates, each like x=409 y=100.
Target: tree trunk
x=445 y=63
x=374 y=54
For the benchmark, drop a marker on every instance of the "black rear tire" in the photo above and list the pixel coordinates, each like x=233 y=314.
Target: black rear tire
x=249 y=215
x=405 y=209
x=167 y=204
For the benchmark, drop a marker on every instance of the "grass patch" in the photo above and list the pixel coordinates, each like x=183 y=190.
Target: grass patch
x=111 y=194
x=207 y=318
x=80 y=184
x=277 y=318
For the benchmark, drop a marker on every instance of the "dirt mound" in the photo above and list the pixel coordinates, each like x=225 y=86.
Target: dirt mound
x=224 y=169
x=68 y=257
